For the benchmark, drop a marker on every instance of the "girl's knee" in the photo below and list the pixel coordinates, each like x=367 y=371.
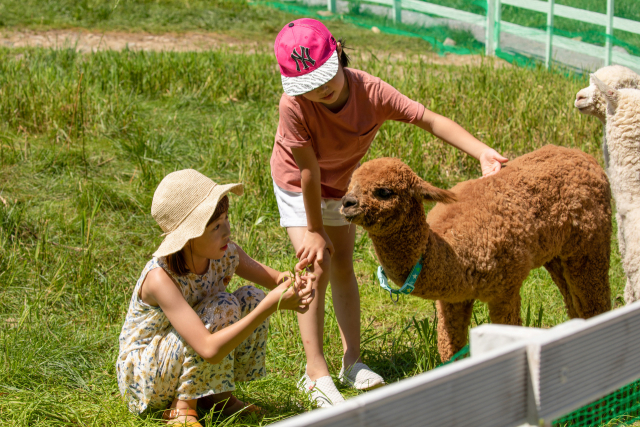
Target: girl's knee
x=249 y=297
x=219 y=310
x=249 y=290
x=321 y=269
x=342 y=269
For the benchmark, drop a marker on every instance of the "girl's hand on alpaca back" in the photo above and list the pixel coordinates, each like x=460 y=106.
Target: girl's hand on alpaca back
x=491 y=162
x=294 y=294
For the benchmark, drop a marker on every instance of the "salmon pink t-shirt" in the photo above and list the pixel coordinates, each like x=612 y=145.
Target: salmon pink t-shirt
x=340 y=140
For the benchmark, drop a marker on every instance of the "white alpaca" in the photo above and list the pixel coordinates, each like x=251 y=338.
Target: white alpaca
x=623 y=141
x=591 y=101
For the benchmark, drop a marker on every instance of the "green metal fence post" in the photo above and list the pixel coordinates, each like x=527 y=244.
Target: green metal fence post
x=608 y=44
x=397 y=11
x=549 y=52
x=498 y=18
x=490 y=29
x=331 y=5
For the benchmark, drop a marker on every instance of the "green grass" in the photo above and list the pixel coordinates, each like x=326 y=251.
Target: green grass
x=85 y=139
x=149 y=15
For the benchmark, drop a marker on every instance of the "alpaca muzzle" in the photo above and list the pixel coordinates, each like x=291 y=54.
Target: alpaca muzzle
x=349 y=206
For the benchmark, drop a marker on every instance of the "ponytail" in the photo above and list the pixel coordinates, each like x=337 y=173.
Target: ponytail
x=344 y=58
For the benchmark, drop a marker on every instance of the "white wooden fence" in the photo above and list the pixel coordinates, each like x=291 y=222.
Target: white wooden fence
x=494 y=25
x=515 y=376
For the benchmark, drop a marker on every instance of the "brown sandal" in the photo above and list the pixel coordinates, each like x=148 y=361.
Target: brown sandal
x=207 y=404
x=252 y=409
x=172 y=414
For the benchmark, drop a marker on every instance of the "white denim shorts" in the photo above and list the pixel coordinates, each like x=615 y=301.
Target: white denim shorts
x=292 y=213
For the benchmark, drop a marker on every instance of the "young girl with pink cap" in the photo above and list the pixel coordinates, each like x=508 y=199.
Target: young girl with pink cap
x=329 y=115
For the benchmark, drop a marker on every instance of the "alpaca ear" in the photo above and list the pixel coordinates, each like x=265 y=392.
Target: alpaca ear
x=610 y=94
x=429 y=193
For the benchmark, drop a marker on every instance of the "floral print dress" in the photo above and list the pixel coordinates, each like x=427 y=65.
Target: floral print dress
x=155 y=365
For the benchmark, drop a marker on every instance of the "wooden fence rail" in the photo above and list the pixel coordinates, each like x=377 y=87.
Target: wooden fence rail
x=516 y=376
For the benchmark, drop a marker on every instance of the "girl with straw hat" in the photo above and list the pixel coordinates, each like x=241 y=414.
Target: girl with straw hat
x=185 y=340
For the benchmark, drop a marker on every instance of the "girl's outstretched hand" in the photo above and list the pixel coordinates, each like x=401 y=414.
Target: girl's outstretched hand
x=491 y=162
x=313 y=247
x=294 y=294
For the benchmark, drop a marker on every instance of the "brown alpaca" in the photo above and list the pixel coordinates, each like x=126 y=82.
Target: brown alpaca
x=550 y=208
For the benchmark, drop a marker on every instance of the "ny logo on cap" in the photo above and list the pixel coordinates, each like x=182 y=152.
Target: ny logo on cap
x=303 y=57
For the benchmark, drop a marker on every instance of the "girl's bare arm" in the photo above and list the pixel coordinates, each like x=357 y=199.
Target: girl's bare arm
x=256 y=272
x=310 y=175
x=214 y=347
x=455 y=135
x=316 y=239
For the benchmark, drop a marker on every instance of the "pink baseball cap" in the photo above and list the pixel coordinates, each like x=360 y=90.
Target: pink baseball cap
x=307 y=56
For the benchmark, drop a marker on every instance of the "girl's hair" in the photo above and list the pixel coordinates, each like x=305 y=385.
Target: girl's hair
x=344 y=58
x=176 y=261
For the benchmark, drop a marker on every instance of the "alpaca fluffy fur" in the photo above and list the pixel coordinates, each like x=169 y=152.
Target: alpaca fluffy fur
x=591 y=100
x=623 y=139
x=548 y=208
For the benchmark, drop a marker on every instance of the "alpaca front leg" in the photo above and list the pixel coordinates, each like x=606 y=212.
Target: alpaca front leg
x=621 y=243
x=453 y=326
x=630 y=293
x=629 y=235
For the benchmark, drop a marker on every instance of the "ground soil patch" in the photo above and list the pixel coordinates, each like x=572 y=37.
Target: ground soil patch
x=90 y=41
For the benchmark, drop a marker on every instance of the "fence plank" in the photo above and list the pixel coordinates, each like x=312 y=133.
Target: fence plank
x=447 y=12
x=562 y=42
x=535 y=5
x=570 y=44
x=384 y=2
x=397 y=11
x=576 y=14
x=487 y=391
x=608 y=44
x=331 y=5
x=490 y=30
x=574 y=367
x=549 y=47
x=626 y=25
x=626 y=60
x=498 y=19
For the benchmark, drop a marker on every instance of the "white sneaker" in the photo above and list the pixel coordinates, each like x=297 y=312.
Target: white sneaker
x=321 y=391
x=359 y=376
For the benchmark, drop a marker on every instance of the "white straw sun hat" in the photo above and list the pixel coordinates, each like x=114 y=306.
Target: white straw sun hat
x=183 y=204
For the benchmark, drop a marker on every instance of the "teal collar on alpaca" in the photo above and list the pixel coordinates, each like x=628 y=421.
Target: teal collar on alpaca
x=408 y=286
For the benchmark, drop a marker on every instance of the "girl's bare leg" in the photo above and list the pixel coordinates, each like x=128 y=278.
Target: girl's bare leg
x=344 y=291
x=345 y=295
x=311 y=323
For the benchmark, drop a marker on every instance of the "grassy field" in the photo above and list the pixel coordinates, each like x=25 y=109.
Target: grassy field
x=233 y=18
x=85 y=139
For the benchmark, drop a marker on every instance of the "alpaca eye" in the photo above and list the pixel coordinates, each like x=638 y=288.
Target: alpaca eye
x=383 y=193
